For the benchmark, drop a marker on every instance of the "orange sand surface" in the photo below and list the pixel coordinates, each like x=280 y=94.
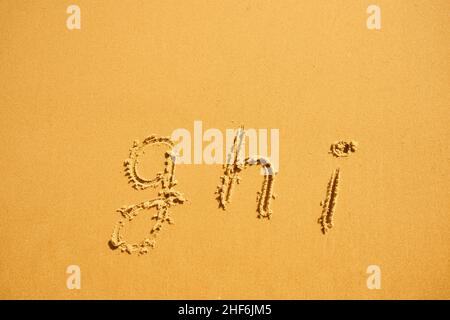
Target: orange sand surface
x=73 y=101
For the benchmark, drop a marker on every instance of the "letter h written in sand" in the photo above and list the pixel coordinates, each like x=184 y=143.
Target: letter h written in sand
x=236 y=163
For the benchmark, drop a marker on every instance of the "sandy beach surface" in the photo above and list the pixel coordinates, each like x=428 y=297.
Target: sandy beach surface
x=73 y=101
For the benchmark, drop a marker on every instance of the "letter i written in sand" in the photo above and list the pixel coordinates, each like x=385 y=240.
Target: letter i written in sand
x=339 y=149
x=329 y=204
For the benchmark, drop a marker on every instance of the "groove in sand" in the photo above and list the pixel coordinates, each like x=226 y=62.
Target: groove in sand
x=235 y=164
x=329 y=204
x=167 y=197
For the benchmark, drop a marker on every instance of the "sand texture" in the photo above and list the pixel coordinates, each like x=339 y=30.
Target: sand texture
x=89 y=175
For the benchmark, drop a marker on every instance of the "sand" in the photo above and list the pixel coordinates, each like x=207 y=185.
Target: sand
x=73 y=101
x=233 y=169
